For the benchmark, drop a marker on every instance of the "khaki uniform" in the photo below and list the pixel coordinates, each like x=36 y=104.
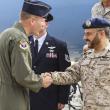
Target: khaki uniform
x=99 y=11
x=16 y=75
x=94 y=73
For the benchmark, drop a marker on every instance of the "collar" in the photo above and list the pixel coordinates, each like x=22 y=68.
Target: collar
x=19 y=26
x=41 y=39
x=101 y=53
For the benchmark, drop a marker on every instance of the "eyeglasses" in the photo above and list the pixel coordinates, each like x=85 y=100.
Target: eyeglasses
x=91 y=33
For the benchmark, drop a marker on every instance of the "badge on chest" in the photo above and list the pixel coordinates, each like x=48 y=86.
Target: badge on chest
x=51 y=53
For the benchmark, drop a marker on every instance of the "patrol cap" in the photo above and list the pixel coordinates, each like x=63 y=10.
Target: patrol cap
x=38 y=8
x=95 y=23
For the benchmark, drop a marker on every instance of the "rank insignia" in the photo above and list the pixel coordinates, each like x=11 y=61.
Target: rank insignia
x=88 y=23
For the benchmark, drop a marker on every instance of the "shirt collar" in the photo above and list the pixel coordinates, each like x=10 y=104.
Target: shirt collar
x=41 y=39
x=101 y=53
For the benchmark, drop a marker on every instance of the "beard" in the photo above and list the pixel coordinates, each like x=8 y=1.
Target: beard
x=94 y=42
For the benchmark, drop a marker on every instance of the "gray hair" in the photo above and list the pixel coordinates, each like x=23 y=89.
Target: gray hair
x=106 y=30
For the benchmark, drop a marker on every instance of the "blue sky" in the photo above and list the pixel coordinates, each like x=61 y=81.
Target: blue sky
x=10 y=9
x=68 y=17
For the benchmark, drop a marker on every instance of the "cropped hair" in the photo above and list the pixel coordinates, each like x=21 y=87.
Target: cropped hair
x=107 y=32
x=25 y=15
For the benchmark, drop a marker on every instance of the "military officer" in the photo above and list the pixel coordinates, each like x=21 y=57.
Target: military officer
x=16 y=75
x=94 y=69
x=49 y=54
x=100 y=9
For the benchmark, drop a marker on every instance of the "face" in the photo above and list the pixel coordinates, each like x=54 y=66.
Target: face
x=106 y=3
x=39 y=25
x=92 y=37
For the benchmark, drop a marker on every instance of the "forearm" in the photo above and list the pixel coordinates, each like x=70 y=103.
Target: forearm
x=66 y=78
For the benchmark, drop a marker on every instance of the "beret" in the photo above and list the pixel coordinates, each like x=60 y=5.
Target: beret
x=96 y=23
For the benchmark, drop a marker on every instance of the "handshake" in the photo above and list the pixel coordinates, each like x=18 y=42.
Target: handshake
x=46 y=79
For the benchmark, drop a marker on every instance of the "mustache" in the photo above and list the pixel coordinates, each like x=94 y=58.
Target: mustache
x=87 y=40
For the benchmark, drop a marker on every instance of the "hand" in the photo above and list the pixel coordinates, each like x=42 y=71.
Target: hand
x=60 y=106
x=46 y=74
x=46 y=79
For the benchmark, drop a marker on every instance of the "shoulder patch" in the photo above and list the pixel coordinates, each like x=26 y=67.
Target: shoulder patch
x=23 y=44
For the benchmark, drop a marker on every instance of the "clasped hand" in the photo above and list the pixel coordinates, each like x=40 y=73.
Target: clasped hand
x=46 y=79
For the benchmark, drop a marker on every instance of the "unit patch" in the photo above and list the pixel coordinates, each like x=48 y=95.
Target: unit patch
x=23 y=45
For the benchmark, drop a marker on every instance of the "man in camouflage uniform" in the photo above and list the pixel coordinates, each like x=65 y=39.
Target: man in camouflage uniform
x=93 y=70
x=101 y=9
x=16 y=75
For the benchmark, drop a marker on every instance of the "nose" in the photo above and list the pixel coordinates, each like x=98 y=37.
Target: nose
x=84 y=37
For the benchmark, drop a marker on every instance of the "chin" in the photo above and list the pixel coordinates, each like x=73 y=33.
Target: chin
x=91 y=47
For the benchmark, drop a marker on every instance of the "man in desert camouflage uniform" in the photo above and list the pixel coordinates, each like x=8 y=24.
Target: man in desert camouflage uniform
x=100 y=9
x=94 y=69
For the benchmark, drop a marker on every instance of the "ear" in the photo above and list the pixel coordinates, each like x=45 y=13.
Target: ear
x=102 y=33
x=46 y=24
x=32 y=21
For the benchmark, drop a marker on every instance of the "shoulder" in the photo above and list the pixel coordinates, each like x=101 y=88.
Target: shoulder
x=10 y=33
x=97 y=10
x=97 y=5
x=13 y=32
x=13 y=37
x=16 y=36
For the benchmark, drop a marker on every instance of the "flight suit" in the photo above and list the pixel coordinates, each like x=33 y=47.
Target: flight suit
x=16 y=75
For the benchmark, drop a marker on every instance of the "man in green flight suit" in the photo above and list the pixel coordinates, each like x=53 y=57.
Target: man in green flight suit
x=16 y=75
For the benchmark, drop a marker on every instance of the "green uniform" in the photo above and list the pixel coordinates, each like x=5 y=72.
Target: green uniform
x=16 y=75
x=94 y=73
